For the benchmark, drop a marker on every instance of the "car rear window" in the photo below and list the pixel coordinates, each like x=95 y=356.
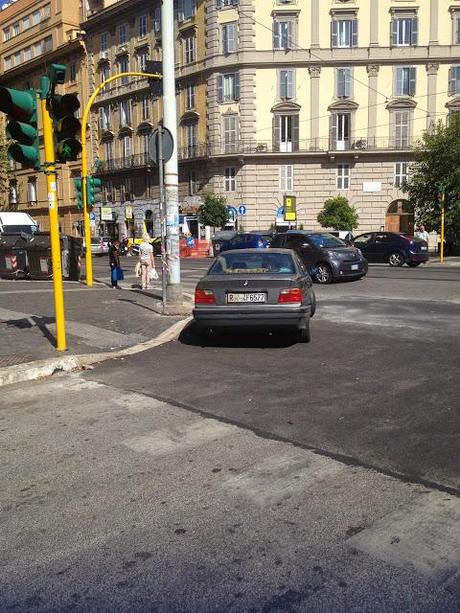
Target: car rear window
x=253 y=263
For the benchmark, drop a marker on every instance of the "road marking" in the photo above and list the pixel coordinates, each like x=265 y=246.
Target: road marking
x=50 y=290
x=197 y=434
x=281 y=477
x=423 y=537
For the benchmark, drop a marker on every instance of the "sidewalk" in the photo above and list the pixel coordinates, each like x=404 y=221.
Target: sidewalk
x=98 y=319
x=453 y=261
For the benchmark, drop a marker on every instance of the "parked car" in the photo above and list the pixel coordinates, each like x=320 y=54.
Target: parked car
x=248 y=240
x=392 y=247
x=100 y=245
x=345 y=235
x=326 y=257
x=221 y=237
x=256 y=288
x=15 y=222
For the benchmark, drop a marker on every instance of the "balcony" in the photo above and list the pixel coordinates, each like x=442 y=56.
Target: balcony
x=139 y=160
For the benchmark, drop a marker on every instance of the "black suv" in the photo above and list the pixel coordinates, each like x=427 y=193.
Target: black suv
x=326 y=257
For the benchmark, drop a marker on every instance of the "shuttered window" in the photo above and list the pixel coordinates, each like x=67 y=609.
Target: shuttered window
x=405 y=81
x=343 y=83
x=229 y=38
x=283 y=34
x=286 y=84
x=286 y=132
x=344 y=33
x=454 y=81
x=404 y=31
x=228 y=87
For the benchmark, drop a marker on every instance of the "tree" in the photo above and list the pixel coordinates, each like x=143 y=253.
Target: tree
x=436 y=165
x=6 y=174
x=338 y=214
x=214 y=211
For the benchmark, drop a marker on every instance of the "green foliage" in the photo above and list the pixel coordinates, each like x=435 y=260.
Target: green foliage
x=214 y=211
x=437 y=163
x=338 y=214
x=6 y=174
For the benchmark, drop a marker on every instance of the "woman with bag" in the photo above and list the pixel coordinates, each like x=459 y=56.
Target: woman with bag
x=147 y=262
x=114 y=260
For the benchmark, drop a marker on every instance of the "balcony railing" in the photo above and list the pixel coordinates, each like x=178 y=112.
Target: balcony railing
x=139 y=160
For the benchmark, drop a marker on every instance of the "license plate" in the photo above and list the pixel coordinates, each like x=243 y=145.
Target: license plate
x=256 y=297
x=354 y=267
x=423 y=248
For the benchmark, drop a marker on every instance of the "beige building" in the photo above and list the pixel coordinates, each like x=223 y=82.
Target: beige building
x=34 y=34
x=322 y=97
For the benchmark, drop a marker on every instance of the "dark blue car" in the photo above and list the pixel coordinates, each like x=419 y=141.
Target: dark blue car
x=393 y=248
x=248 y=240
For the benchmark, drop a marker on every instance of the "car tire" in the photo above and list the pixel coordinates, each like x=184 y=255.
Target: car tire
x=323 y=273
x=396 y=259
x=413 y=264
x=313 y=306
x=304 y=334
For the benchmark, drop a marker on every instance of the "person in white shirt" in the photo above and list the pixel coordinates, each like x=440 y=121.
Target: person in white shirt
x=422 y=233
x=146 y=260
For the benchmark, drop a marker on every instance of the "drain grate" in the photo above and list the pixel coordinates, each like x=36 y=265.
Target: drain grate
x=12 y=360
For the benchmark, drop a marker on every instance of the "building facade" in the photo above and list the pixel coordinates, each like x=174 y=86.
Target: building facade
x=34 y=34
x=316 y=98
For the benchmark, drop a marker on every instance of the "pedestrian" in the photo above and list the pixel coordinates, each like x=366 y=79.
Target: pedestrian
x=422 y=233
x=114 y=260
x=146 y=261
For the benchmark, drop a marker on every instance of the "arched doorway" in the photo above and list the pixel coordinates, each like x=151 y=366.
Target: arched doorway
x=149 y=222
x=400 y=217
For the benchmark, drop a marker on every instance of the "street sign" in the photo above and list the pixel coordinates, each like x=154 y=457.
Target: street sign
x=92 y=216
x=242 y=210
x=167 y=145
x=290 y=208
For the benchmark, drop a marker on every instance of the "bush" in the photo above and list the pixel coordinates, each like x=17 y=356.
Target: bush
x=214 y=211
x=338 y=214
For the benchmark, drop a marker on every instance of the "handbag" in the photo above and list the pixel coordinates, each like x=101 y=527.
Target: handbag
x=117 y=274
x=153 y=274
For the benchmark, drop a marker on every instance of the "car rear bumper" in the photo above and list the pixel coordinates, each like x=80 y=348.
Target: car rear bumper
x=244 y=317
x=418 y=257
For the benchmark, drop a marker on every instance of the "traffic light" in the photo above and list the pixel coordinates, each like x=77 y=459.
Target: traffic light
x=156 y=85
x=93 y=191
x=67 y=127
x=77 y=185
x=21 y=108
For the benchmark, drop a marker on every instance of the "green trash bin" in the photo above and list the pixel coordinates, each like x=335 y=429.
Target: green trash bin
x=39 y=257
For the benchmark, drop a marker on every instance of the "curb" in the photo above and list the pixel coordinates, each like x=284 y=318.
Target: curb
x=39 y=369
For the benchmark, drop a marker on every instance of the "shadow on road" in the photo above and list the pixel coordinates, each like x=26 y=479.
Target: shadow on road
x=239 y=339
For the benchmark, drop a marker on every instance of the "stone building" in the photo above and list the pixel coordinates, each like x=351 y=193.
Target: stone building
x=35 y=34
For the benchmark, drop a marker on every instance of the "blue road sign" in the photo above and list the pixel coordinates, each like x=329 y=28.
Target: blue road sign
x=242 y=210
x=92 y=216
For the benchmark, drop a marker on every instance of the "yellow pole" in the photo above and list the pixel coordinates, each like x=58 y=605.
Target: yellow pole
x=51 y=178
x=84 y=163
x=443 y=202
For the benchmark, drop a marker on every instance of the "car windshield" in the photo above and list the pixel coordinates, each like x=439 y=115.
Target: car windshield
x=253 y=263
x=18 y=229
x=326 y=240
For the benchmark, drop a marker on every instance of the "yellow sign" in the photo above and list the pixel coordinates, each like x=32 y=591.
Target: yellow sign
x=128 y=212
x=290 y=208
x=106 y=213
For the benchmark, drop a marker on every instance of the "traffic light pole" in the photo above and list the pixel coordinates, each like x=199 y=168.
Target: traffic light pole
x=443 y=208
x=51 y=183
x=84 y=163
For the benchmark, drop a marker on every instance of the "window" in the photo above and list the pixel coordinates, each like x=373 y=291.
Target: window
x=344 y=33
x=47 y=44
x=230 y=179
x=225 y=3
x=189 y=48
x=283 y=34
x=144 y=140
x=401 y=129
x=108 y=150
x=6 y=34
x=32 y=190
x=157 y=20
x=287 y=178
x=17 y=58
x=343 y=81
x=186 y=9
x=142 y=61
x=13 y=192
x=46 y=11
x=286 y=84
x=143 y=26
x=343 y=176
x=104 y=41
x=190 y=137
x=454 y=81
x=404 y=31
x=145 y=108
x=7 y=63
x=122 y=34
x=37 y=48
x=189 y=96
x=286 y=132
x=125 y=113
x=36 y=18
x=16 y=28
x=191 y=182
x=228 y=87
x=123 y=66
x=73 y=72
x=401 y=172
x=127 y=147
x=104 y=72
x=26 y=22
x=229 y=40
x=27 y=54
x=341 y=131
x=456 y=29
x=105 y=118
x=405 y=83
x=230 y=133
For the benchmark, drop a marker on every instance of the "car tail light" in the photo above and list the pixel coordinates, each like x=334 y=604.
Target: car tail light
x=204 y=296
x=290 y=295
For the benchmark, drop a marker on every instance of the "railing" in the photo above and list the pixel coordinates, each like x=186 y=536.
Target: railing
x=139 y=160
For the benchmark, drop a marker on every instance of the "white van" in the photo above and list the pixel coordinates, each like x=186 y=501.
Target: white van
x=16 y=222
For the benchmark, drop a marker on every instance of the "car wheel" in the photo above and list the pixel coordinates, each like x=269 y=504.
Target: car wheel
x=396 y=259
x=413 y=264
x=313 y=305
x=323 y=273
x=304 y=334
